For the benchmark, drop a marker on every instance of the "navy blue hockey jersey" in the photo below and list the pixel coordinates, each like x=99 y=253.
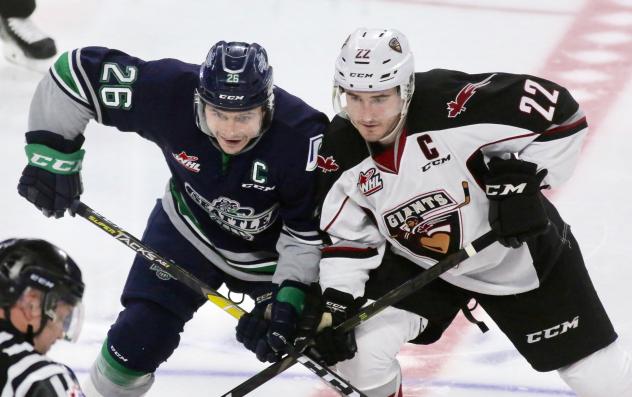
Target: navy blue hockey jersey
x=246 y=213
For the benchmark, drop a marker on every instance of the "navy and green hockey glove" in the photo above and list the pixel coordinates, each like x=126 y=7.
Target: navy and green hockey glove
x=52 y=179
x=252 y=328
x=287 y=312
x=273 y=323
x=516 y=210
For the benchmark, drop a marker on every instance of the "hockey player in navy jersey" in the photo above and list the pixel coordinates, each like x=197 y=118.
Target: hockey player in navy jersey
x=417 y=165
x=238 y=208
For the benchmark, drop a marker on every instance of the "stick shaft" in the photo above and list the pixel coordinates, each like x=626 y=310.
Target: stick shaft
x=181 y=275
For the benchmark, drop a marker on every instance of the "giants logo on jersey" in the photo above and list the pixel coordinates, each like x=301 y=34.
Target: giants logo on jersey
x=457 y=106
x=428 y=225
x=370 y=182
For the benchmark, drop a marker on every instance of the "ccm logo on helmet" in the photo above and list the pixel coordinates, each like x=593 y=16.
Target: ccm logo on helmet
x=42 y=281
x=361 y=75
x=231 y=97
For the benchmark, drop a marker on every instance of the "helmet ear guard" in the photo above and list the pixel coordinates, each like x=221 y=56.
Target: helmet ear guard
x=235 y=77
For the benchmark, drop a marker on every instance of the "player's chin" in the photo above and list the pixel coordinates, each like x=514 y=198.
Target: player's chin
x=372 y=135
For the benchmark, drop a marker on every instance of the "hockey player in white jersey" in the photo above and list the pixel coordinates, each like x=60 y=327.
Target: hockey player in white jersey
x=40 y=303
x=417 y=165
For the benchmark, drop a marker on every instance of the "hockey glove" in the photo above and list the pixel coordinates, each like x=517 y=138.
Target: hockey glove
x=516 y=211
x=334 y=345
x=287 y=310
x=252 y=328
x=52 y=179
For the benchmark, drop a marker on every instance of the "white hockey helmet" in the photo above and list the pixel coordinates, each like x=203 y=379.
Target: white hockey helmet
x=375 y=60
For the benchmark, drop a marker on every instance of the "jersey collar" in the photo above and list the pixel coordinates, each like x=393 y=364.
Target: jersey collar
x=388 y=158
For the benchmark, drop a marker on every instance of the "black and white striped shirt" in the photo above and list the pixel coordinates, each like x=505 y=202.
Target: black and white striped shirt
x=26 y=373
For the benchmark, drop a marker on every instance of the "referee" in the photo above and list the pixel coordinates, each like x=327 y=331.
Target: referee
x=40 y=303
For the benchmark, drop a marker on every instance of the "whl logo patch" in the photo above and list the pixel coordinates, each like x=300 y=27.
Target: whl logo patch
x=188 y=162
x=370 y=182
x=457 y=106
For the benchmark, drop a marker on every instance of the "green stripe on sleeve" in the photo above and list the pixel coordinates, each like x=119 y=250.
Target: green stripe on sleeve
x=63 y=69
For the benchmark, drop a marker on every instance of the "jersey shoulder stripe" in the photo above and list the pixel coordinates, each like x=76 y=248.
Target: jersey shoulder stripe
x=572 y=127
x=63 y=72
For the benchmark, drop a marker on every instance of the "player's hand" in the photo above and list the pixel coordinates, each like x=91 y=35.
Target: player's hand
x=516 y=211
x=252 y=328
x=334 y=345
x=286 y=313
x=52 y=179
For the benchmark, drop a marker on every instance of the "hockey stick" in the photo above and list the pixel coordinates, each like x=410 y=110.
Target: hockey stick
x=197 y=285
x=393 y=296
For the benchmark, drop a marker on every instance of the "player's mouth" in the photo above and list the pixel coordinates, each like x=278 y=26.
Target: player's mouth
x=231 y=141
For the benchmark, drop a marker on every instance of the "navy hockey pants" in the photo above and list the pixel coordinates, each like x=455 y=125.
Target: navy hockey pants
x=148 y=330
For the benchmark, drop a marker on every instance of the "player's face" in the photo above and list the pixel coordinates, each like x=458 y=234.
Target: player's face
x=374 y=114
x=54 y=329
x=233 y=130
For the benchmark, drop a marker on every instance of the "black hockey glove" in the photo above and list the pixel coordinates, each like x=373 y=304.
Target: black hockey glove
x=516 y=212
x=252 y=328
x=52 y=179
x=333 y=345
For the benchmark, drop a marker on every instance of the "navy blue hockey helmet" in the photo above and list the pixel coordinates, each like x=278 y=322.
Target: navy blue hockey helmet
x=43 y=266
x=235 y=76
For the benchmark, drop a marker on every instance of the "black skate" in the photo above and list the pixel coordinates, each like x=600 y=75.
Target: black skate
x=25 y=44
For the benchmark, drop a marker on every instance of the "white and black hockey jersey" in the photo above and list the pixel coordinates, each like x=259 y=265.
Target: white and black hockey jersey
x=423 y=198
x=26 y=373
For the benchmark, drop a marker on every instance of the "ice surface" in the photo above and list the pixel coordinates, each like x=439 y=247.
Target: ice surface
x=123 y=175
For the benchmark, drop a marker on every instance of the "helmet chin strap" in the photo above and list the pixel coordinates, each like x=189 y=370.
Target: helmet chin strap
x=392 y=136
